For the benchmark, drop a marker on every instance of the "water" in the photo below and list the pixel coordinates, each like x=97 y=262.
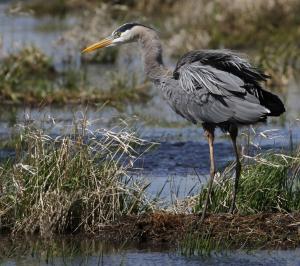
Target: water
x=148 y=257
x=81 y=251
x=180 y=163
x=19 y=31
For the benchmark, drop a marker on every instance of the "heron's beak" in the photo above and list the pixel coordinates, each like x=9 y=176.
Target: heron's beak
x=104 y=43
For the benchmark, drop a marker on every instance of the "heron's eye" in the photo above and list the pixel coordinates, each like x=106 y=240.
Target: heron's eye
x=117 y=34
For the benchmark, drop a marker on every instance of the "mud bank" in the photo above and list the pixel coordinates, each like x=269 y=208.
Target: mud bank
x=263 y=230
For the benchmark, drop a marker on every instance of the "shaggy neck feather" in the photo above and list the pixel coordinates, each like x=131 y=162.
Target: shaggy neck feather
x=152 y=54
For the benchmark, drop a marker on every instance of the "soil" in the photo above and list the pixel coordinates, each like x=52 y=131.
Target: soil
x=264 y=230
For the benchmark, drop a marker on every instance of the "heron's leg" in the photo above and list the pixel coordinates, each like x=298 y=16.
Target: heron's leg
x=209 y=132
x=233 y=131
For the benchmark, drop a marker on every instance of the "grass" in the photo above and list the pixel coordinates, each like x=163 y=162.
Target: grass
x=80 y=182
x=29 y=77
x=270 y=184
x=225 y=232
x=203 y=243
x=268 y=196
x=72 y=183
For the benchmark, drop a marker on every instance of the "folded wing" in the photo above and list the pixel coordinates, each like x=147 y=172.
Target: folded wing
x=218 y=87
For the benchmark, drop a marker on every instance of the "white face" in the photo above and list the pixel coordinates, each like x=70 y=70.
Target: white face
x=126 y=33
x=124 y=37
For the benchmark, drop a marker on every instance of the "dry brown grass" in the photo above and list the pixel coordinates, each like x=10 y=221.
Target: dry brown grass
x=70 y=183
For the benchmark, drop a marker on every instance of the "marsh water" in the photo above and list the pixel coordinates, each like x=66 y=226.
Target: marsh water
x=179 y=163
x=78 y=251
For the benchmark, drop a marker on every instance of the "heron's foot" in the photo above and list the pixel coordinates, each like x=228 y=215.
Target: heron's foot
x=201 y=218
x=232 y=208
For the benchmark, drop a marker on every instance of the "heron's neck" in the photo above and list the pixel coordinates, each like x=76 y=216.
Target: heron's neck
x=152 y=55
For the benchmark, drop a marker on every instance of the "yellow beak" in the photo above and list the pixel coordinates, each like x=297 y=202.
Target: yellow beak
x=105 y=42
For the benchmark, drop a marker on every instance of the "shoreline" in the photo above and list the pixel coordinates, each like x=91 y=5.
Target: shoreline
x=262 y=231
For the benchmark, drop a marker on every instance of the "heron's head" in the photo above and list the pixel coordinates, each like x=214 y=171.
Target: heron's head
x=126 y=33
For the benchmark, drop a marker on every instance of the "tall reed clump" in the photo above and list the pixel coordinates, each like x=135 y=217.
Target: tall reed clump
x=270 y=184
x=71 y=183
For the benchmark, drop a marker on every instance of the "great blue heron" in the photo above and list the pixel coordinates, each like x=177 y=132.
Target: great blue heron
x=217 y=88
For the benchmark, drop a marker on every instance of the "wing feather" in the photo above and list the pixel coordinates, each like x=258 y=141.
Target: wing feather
x=215 y=92
x=196 y=76
x=225 y=60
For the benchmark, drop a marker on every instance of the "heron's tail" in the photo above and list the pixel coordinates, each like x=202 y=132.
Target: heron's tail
x=272 y=102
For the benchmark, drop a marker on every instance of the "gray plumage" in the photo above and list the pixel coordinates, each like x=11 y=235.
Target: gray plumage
x=218 y=88
x=207 y=95
x=213 y=87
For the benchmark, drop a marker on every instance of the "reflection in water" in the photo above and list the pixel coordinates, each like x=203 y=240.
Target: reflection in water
x=81 y=251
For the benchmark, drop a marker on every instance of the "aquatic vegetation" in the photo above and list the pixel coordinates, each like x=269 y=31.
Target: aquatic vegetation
x=80 y=182
x=29 y=68
x=29 y=77
x=270 y=184
x=247 y=232
x=217 y=232
x=202 y=243
x=196 y=25
x=70 y=183
x=55 y=7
